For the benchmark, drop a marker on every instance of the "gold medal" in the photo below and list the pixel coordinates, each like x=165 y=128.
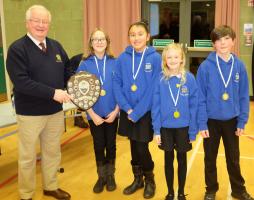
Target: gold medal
x=103 y=92
x=176 y=114
x=225 y=96
x=134 y=88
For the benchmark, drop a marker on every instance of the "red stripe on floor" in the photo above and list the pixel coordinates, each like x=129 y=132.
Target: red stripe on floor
x=250 y=137
x=63 y=144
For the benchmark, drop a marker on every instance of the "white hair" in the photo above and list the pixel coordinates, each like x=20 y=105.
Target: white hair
x=29 y=11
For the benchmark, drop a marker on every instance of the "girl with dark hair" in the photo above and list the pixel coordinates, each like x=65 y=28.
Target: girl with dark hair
x=136 y=70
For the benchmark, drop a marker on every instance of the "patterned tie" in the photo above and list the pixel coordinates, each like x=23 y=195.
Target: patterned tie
x=43 y=48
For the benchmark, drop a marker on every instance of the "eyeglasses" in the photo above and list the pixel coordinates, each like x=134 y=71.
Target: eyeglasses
x=39 y=21
x=97 y=40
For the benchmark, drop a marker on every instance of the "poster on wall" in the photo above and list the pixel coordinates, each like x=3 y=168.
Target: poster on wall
x=250 y=3
x=247 y=32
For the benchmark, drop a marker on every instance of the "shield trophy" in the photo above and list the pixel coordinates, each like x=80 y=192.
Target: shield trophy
x=84 y=88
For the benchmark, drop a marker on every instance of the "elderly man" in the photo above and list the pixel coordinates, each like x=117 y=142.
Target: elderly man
x=37 y=66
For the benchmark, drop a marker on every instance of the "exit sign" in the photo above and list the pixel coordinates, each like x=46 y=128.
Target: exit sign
x=162 y=42
x=203 y=43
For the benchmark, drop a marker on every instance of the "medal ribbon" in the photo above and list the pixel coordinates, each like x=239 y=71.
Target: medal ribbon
x=102 y=79
x=230 y=74
x=172 y=96
x=134 y=75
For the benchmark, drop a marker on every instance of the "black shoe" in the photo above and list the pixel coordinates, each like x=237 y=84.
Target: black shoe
x=170 y=197
x=209 y=196
x=150 y=185
x=136 y=184
x=243 y=196
x=57 y=194
x=110 y=179
x=110 y=183
x=138 y=181
x=149 y=190
x=181 y=197
x=101 y=182
x=99 y=185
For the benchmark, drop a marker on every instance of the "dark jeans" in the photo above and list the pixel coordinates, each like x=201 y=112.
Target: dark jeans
x=141 y=155
x=169 y=170
x=104 y=140
x=226 y=130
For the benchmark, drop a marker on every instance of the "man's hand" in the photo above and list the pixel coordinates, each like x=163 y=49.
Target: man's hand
x=61 y=96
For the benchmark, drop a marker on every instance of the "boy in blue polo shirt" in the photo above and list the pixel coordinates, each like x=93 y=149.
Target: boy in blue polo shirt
x=223 y=110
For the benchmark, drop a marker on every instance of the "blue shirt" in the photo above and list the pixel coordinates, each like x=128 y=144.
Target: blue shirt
x=211 y=89
x=163 y=106
x=139 y=101
x=105 y=104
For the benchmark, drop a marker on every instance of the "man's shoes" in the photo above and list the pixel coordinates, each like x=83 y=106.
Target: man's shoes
x=209 y=196
x=79 y=121
x=243 y=196
x=58 y=194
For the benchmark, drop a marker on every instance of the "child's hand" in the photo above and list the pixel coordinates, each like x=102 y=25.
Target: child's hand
x=97 y=120
x=158 y=139
x=239 y=131
x=205 y=133
x=131 y=119
x=129 y=112
x=111 y=116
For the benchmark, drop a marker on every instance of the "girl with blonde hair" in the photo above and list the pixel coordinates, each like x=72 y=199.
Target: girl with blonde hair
x=174 y=111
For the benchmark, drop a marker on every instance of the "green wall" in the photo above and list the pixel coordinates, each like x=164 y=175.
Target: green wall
x=2 y=77
x=246 y=16
x=66 y=26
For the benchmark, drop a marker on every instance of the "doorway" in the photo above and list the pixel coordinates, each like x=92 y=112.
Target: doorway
x=188 y=22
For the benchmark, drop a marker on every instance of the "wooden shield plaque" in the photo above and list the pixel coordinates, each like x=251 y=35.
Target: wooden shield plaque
x=85 y=89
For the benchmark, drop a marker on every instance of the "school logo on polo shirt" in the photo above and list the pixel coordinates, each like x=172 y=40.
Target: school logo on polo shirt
x=58 y=58
x=237 y=77
x=148 y=67
x=184 y=90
